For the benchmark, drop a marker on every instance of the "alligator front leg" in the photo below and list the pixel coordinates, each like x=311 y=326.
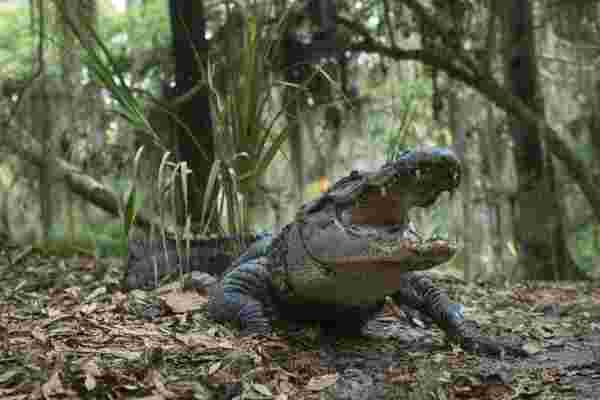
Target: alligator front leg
x=243 y=296
x=418 y=292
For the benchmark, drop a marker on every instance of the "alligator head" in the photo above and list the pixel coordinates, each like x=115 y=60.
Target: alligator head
x=361 y=223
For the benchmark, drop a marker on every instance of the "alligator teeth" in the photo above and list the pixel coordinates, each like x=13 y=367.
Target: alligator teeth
x=339 y=225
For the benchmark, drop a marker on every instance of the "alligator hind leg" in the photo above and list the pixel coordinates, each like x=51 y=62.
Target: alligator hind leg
x=246 y=311
x=243 y=296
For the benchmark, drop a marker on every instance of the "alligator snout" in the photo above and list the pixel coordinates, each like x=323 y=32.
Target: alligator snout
x=434 y=169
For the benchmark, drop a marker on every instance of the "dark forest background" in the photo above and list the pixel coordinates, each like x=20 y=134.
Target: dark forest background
x=246 y=110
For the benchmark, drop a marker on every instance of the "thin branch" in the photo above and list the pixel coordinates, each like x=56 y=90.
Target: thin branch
x=388 y=22
x=428 y=19
x=443 y=29
x=445 y=60
x=77 y=181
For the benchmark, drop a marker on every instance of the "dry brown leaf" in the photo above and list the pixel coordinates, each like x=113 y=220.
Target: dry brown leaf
x=4 y=336
x=401 y=375
x=53 y=386
x=262 y=389
x=550 y=375
x=157 y=381
x=118 y=298
x=275 y=345
x=87 y=308
x=181 y=302
x=4 y=396
x=319 y=383
x=128 y=355
x=214 y=368
x=74 y=293
x=54 y=312
x=391 y=309
x=40 y=335
x=97 y=292
x=141 y=332
x=87 y=263
x=92 y=371
x=284 y=386
x=90 y=382
x=209 y=342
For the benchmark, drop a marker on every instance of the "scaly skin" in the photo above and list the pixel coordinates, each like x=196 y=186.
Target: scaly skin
x=346 y=251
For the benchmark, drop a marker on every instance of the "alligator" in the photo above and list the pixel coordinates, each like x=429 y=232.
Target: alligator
x=346 y=253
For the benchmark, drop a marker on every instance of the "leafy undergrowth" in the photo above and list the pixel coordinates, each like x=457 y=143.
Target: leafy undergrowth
x=67 y=330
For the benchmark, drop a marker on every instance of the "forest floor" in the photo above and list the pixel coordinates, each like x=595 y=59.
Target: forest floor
x=67 y=330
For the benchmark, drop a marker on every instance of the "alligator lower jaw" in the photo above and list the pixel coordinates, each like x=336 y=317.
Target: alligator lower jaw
x=406 y=255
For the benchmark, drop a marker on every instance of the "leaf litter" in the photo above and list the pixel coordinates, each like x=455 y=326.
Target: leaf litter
x=67 y=330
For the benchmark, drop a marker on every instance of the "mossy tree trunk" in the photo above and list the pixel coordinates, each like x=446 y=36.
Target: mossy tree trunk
x=538 y=222
x=458 y=128
x=83 y=15
x=41 y=114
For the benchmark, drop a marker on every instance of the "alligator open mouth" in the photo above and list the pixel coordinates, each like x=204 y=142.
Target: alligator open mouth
x=393 y=238
x=378 y=213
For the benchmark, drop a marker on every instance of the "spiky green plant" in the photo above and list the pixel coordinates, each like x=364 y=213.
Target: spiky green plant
x=247 y=131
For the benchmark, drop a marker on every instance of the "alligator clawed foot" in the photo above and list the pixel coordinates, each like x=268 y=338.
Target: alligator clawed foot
x=473 y=341
x=489 y=347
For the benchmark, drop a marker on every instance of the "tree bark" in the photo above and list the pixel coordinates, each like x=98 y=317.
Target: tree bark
x=188 y=25
x=493 y=151
x=539 y=233
x=82 y=16
x=42 y=123
x=458 y=129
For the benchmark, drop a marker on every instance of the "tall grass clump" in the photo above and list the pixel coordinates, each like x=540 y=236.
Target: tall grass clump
x=248 y=133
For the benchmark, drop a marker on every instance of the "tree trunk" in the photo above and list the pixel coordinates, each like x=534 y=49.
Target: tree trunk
x=542 y=248
x=458 y=129
x=83 y=16
x=493 y=152
x=42 y=122
x=70 y=66
x=188 y=24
